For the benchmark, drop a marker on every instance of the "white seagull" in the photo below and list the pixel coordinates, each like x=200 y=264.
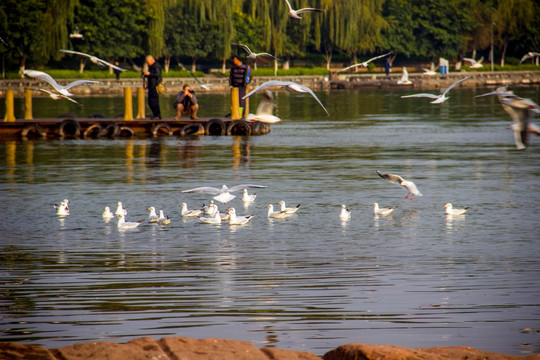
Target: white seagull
x=251 y=54
x=107 y=213
x=396 y=179
x=248 y=198
x=345 y=213
x=123 y=225
x=63 y=208
x=93 y=59
x=40 y=75
x=214 y=219
x=449 y=209
x=521 y=111
x=288 y=85
x=294 y=13
x=189 y=213
x=162 y=218
x=404 y=78
x=265 y=110
x=430 y=72
x=275 y=214
x=204 y=86
x=152 y=216
x=439 y=99
x=58 y=96
x=224 y=193
x=529 y=55
x=288 y=210
x=475 y=64
x=237 y=220
x=365 y=63
x=120 y=210
x=382 y=211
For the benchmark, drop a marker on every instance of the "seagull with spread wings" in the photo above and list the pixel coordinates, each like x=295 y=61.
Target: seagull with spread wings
x=63 y=90
x=251 y=54
x=408 y=185
x=438 y=99
x=93 y=59
x=288 y=85
x=224 y=192
x=365 y=63
x=294 y=13
x=58 y=96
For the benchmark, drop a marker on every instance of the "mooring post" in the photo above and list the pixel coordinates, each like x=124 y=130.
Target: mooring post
x=128 y=103
x=28 y=104
x=10 y=106
x=140 y=103
x=235 y=98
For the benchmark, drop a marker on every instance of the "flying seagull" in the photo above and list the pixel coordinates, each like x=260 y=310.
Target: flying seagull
x=365 y=63
x=396 y=179
x=265 y=110
x=294 y=13
x=289 y=85
x=438 y=99
x=520 y=110
x=475 y=64
x=63 y=90
x=224 y=192
x=58 y=96
x=251 y=54
x=93 y=59
x=404 y=78
x=529 y=55
x=204 y=86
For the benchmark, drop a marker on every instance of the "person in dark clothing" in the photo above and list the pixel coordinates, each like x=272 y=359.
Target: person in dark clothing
x=387 y=66
x=117 y=72
x=186 y=103
x=239 y=78
x=154 y=77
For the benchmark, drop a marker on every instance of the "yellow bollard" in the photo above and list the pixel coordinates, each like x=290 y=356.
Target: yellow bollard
x=140 y=104
x=235 y=113
x=28 y=104
x=10 y=106
x=128 y=104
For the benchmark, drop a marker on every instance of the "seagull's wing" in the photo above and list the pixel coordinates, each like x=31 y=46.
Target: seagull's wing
x=455 y=84
x=300 y=11
x=80 y=82
x=431 y=96
x=267 y=55
x=75 y=52
x=203 y=190
x=266 y=85
x=266 y=105
x=404 y=75
x=40 y=75
x=289 y=5
x=246 y=186
x=110 y=65
x=308 y=90
x=377 y=57
x=247 y=49
x=472 y=61
x=395 y=179
x=499 y=93
x=349 y=67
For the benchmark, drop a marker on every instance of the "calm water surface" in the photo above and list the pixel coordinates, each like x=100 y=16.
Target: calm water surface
x=416 y=278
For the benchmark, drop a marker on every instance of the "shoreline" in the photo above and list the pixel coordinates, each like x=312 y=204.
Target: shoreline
x=176 y=348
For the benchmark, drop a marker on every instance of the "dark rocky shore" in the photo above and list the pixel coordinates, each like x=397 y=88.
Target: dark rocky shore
x=179 y=348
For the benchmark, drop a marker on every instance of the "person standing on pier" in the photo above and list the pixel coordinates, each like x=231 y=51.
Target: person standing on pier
x=239 y=78
x=153 y=75
x=186 y=103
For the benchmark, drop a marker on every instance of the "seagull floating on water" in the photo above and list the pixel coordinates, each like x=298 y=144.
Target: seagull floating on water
x=224 y=193
x=439 y=99
x=214 y=219
x=294 y=13
x=63 y=90
x=275 y=214
x=120 y=210
x=107 y=213
x=162 y=219
x=449 y=209
x=288 y=210
x=152 y=217
x=123 y=224
x=189 y=213
x=63 y=208
x=288 y=85
x=365 y=63
x=396 y=179
x=237 y=220
x=382 y=211
x=247 y=198
x=93 y=59
x=345 y=213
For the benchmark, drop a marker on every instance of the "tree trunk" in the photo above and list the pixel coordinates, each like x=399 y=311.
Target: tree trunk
x=193 y=65
x=276 y=65
x=22 y=66
x=286 y=64
x=328 y=57
x=224 y=65
x=167 y=63
x=82 y=63
x=504 y=51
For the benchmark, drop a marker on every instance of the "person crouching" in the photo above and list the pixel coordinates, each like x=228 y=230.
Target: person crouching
x=186 y=103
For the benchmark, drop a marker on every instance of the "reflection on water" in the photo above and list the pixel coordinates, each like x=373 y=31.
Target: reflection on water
x=311 y=282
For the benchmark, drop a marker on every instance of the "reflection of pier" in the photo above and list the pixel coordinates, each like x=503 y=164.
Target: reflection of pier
x=69 y=126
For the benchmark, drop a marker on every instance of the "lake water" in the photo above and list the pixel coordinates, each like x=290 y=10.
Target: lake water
x=311 y=282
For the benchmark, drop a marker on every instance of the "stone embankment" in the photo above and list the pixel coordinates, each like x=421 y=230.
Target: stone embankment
x=333 y=81
x=220 y=349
